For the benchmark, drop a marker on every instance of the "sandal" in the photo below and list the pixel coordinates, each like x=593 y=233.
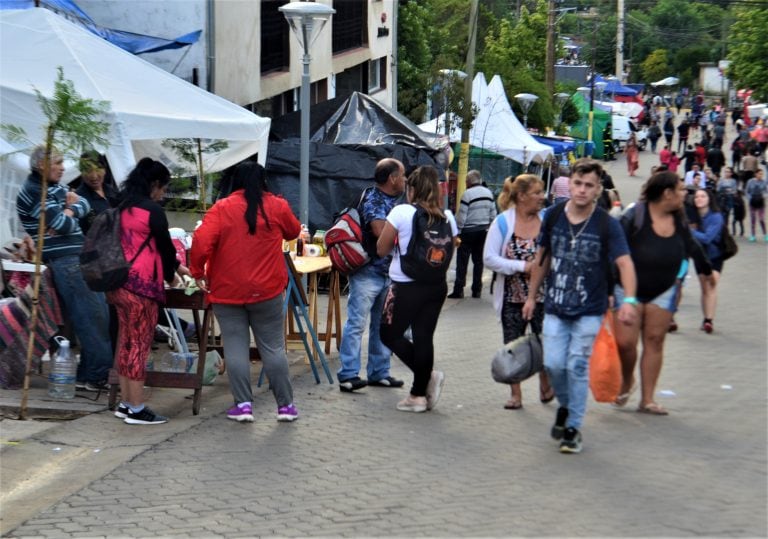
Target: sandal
x=546 y=396
x=652 y=408
x=623 y=398
x=512 y=404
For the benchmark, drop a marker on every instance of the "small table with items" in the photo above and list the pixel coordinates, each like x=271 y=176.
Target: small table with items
x=312 y=267
x=196 y=302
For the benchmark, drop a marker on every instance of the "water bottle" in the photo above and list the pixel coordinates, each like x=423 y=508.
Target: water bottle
x=61 y=380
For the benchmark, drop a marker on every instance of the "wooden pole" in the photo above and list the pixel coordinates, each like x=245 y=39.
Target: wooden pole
x=38 y=272
x=461 y=181
x=549 y=70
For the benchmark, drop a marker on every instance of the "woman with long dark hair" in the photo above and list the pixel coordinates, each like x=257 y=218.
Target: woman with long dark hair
x=410 y=303
x=659 y=243
x=237 y=257
x=708 y=232
x=144 y=235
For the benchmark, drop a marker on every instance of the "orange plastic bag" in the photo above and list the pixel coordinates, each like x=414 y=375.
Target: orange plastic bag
x=605 y=363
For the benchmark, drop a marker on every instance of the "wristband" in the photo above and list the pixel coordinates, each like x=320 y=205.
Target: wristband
x=631 y=300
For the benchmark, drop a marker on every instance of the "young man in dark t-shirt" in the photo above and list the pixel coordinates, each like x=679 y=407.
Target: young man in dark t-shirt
x=572 y=257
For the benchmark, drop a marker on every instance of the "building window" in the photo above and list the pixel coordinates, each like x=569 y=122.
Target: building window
x=350 y=25
x=377 y=74
x=351 y=80
x=275 y=32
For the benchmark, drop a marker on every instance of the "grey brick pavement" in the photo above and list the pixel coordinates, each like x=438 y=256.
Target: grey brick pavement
x=354 y=466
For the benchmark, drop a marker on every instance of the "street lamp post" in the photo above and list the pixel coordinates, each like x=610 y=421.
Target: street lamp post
x=306 y=19
x=526 y=101
x=450 y=77
x=560 y=99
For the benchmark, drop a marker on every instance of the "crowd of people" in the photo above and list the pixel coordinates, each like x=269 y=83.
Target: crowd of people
x=557 y=270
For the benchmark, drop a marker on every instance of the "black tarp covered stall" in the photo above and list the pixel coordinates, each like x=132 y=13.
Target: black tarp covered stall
x=348 y=135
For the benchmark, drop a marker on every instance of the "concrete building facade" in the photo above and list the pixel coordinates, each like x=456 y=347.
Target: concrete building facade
x=247 y=54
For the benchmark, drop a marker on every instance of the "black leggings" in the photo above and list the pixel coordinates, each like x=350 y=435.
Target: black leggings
x=414 y=305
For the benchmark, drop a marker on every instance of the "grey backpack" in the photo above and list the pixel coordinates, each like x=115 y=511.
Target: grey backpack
x=102 y=261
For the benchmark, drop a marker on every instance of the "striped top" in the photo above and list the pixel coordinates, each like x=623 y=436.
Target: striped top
x=63 y=235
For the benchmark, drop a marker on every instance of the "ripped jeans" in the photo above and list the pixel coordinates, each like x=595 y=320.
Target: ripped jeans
x=567 y=347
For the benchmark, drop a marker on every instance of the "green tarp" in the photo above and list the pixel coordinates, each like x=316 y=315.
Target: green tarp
x=580 y=129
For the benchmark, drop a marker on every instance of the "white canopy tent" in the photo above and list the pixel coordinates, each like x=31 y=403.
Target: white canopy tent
x=147 y=104
x=496 y=128
x=668 y=81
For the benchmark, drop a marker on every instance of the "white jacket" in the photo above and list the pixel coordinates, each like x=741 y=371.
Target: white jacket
x=494 y=259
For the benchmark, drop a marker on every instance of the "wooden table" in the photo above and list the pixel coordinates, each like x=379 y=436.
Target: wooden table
x=312 y=267
x=177 y=299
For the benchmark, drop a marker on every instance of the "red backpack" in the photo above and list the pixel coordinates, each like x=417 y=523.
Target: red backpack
x=344 y=241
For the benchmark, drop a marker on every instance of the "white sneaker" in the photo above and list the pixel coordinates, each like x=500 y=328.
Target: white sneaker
x=434 y=388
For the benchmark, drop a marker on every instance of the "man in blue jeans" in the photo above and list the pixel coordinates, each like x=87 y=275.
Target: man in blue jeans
x=368 y=286
x=85 y=309
x=574 y=254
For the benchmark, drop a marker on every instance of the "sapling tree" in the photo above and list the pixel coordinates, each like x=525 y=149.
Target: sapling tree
x=73 y=123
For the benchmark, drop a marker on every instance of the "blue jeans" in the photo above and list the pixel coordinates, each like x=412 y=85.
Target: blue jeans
x=367 y=290
x=88 y=313
x=567 y=347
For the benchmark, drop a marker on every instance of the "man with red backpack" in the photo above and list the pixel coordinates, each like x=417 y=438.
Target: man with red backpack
x=368 y=286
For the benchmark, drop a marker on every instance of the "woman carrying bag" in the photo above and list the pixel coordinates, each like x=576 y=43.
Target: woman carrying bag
x=146 y=241
x=411 y=301
x=509 y=251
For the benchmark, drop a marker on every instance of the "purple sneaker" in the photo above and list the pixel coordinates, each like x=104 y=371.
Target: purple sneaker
x=287 y=413
x=241 y=413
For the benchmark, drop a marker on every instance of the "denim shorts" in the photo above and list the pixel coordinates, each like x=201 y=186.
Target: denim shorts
x=667 y=300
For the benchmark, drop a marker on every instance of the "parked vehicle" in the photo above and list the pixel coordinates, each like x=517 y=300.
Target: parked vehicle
x=621 y=127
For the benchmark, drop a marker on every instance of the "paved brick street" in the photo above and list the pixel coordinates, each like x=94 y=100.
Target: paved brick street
x=355 y=466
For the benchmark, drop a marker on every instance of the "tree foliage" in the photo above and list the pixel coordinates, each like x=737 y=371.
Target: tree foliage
x=656 y=65
x=74 y=123
x=749 y=50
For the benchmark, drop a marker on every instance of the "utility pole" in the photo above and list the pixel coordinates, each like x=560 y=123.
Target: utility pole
x=620 y=42
x=467 y=112
x=549 y=73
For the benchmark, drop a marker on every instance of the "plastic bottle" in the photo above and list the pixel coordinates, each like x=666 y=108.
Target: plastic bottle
x=61 y=380
x=304 y=239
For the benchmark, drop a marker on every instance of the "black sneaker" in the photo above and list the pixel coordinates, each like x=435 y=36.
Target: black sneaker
x=389 y=381
x=96 y=386
x=571 y=441
x=455 y=295
x=121 y=411
x=558 y=429
x=476 y=294
x=352 y=384
x=144 y=417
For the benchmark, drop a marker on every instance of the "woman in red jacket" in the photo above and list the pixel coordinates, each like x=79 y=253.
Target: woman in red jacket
x=237 y=257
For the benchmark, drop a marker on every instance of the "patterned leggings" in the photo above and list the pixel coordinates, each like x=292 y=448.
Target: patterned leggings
x=513 y=324
x=137 y=318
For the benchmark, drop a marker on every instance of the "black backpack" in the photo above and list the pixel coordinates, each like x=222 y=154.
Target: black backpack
x=102 y=261
x=430 y=249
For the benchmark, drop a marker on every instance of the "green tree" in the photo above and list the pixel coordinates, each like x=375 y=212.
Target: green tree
x=656 y=65
x=749 y=50
x=516 y=51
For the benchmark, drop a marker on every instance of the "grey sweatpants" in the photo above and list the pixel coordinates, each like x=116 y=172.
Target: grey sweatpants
x=265 y=319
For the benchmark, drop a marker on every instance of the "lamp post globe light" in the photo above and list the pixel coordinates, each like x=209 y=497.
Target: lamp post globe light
x=306 y=19
x=560 y=99
x=526 y=101
x=449 y=77
x=600 y=85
